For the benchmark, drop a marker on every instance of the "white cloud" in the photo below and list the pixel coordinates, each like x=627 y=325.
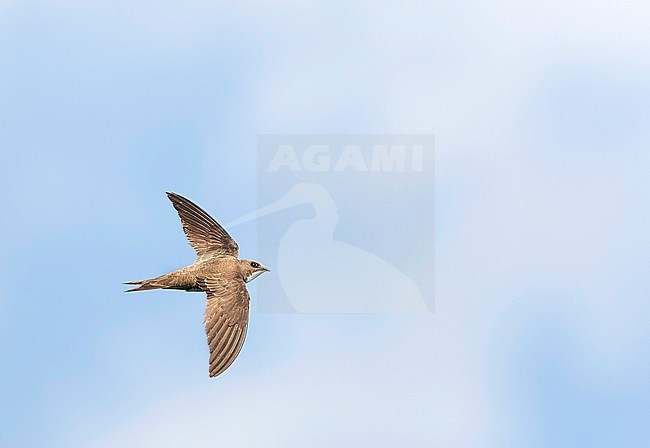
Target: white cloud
x=365 y=385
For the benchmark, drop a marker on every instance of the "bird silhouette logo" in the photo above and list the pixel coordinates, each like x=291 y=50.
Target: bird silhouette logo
x=339 y=277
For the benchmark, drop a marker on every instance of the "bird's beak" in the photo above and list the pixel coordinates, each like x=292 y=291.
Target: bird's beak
x=265 y=269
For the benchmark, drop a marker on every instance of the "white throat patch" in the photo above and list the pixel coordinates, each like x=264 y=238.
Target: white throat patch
x=253 y=276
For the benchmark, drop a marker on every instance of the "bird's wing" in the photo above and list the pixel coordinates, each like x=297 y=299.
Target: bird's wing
x=226 y=319
x=205 y=234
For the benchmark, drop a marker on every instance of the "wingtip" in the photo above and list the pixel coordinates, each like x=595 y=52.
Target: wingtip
x=175 y=197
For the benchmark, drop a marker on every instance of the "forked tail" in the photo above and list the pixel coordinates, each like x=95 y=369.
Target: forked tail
x=145 y=285
x=183 y=279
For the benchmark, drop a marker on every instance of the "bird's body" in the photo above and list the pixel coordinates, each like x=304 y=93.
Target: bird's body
x=187 y=278
x=219 y=273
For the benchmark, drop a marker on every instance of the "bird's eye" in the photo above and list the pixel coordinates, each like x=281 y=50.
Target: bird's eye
x=255 y=264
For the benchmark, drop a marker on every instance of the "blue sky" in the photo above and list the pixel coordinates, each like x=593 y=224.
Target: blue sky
x=540 y=333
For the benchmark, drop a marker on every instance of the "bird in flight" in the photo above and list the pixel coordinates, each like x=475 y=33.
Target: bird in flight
x=219 y=273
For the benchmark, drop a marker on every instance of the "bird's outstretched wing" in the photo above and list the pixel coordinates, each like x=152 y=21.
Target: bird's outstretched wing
x=205 y=234
x=226 y=319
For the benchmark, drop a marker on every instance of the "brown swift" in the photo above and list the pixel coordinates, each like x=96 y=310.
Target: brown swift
x=217 y=271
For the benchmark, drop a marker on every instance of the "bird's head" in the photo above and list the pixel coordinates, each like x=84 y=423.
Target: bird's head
x=251 y=269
